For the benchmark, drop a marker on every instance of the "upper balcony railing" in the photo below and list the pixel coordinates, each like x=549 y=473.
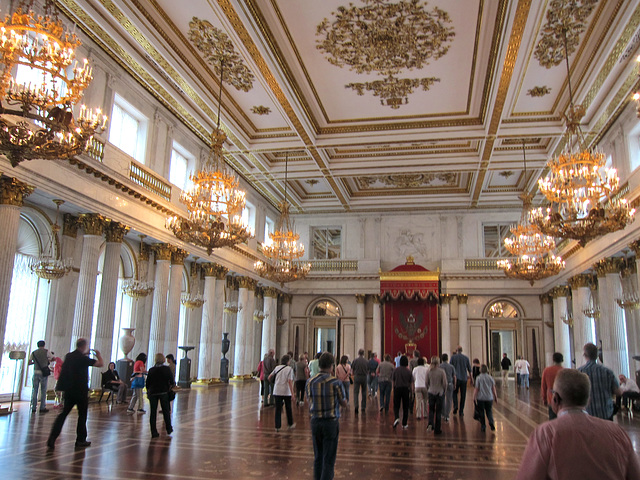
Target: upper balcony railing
x=152 y=182
x=481 y=264
x=339 y=266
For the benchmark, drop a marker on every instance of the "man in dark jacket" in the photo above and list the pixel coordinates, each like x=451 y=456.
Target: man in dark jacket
x=268 y=365
x=360 y=369
x=160 y=381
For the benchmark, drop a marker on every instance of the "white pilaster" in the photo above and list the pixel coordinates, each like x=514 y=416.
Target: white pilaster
x=360 y=322
x=583 y=326
x=548 y=326
x=250 y=348
x=218 y=302
x=244 y=317
x=463 y=322
x=377 y=327
x=173 y=302
x=159 y=309
x=445 y=318
x=561 y=329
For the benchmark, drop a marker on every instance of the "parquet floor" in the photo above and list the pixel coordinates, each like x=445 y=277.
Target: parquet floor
x=222 y=433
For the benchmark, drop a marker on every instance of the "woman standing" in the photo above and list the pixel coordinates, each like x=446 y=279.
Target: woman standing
x=159 y=382
x=171 y=362
x=302 y=373
x=343 y=372
x=402 y=382
x=137 y=384
x=282 y=378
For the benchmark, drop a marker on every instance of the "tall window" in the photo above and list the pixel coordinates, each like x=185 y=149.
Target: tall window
x=269 y=227
x=326 y=242
x=493 y=239
x=249 y=216
x=128 y=129
x=179 y=166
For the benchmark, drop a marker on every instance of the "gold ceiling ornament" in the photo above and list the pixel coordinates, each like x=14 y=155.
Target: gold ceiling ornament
x=214 y=201
x=218 y=50
x=260 y=110
x=50 y=265
x=566 y=20
x=282 y=249
x=539 y=91
x=505 y=173
x=582 y=189
x=386 y=38
x=411 y=180
x=41 y=83
x=135 y=288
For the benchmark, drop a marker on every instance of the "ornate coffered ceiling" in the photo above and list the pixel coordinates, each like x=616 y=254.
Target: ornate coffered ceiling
x=381 y=105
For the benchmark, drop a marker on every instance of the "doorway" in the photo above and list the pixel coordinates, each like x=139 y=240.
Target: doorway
x=502 y=341
x=325 y=340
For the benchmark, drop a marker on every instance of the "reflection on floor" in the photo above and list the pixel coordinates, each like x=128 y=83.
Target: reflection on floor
x=221 y=432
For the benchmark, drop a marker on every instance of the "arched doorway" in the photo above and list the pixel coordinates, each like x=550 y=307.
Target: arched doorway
x=325 y=317
x=503 y=318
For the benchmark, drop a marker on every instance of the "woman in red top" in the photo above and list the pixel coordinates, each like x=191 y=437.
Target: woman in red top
x=139 y=371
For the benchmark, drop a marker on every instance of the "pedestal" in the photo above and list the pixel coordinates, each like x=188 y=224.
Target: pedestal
x=124 y=367
x=184 y=374
x=224 y=370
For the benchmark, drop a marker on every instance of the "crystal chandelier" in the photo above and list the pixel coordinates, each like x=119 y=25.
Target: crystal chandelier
x=630 y=299
x=50 y=266
x=40 y=83
x=214 y=202
x=581 y=188
x=191 y=300
x=282 y=249
x=134 y=287
x=593 y=308
x=533 y=249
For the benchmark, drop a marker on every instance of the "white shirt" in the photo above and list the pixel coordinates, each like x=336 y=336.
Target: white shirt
x=630 y=386
x=281 y=381
x=420 y=376
x=522 y=367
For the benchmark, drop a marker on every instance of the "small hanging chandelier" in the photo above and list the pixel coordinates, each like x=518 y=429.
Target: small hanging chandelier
x=581 y=188
x=50 y=266
x=40 y=84
x=282 y=248
x=193 y=300
x=533 y=249
x=214 y=202
x=134 y=287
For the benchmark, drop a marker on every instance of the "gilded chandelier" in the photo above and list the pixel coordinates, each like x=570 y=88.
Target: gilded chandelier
x=40 y=84
x=214 y=202
x=134 y=287
x=50 y=266
x=581 y=188
x=282 y=249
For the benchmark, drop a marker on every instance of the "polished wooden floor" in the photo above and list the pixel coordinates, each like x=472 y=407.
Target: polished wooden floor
x=222 y=433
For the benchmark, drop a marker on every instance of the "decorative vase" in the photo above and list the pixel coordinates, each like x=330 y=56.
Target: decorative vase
x=225 y=344
x=127 y=341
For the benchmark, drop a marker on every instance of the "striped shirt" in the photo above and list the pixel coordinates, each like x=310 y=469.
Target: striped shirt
x=603 y=385
x=324 y=392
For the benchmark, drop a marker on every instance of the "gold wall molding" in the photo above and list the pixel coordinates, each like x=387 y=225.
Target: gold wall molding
x=13 y=191
x=115 y=232
x=92 y=223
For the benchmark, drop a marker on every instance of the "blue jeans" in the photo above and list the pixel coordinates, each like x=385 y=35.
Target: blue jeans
x=461 y=386
x=39 y=382
x=524 y=378
x=385 y=395
x=346 y=389
x=324 y=433
x=373 y=385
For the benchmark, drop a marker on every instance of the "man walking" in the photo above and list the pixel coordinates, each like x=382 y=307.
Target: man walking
x=548 y=377
x=462 y=366
x=325 y=394
x=268 y=365
x=505 y=364
x=451 y=381
x=74 y=382
x=522 y=367
x=40 y=360
x=604 y=385
x=360 y=370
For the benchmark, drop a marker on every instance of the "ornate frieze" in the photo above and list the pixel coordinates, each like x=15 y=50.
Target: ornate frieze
x=92 y=223
x=13 y=191
x=416 y=180
x=115 y=232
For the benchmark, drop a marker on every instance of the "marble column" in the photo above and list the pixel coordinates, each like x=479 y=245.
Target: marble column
x=173 y=302
x=561 y=336
x=463 y=322
x=159 y=310
x=218 y=303
x=445 y=324
x=251 y=346
x=269 y=322
x=612 y=328
x=142 y=307
x=194 y=319
x=12 y=195
x=629 y=290
x=583 y=327
x=93 y=225
x=360 y=322
x=548 y=326
x=207 y=330
x=114 y=233
x=286 y=318
x=245 y=317
x=230 y=321
x=377 y=327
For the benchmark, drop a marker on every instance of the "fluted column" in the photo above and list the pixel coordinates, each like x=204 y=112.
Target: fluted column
x=286 y=318
x=612 y=329
x=159 y=310
x=445 y=326
x=269 y=322
x=142 y=307
x=12 y=195
x=562 y=339
x=114 y=233
x=244 y=319
x=629 y=289
x=93 y=225
x=360 y=322
x=173 y=302
x=583 y=328
x=218 y=302
x=377 y=326
x=463 y=322
x=206 y=358
x=251 y=349
x=230 y=321
x=194 y=320
x=548 y=326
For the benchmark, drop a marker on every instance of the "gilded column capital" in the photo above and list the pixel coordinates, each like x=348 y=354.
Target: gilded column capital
x=214 y=270
x=561 y=291
x=246 y=282
x=360 y=298
x=13 y=191
x=462 y=298
x=546 y=299
x=232 y=282
x=608 y=265
x=287 y=298
x=92 y=223
x=445 y=299
x=259 y=291
x=376 y=299
x=145 y=250
x=115 y=232
x=582 y=280
x=635 y=246
x=163 y=251
x=69 y=225
x=178 y=255
x=271 y=292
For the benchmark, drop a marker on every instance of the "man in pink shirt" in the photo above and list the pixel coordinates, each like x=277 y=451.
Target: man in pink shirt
x=577 y=445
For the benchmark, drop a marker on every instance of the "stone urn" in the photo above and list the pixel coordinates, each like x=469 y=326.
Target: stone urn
x=225 y=344
x=127 y=341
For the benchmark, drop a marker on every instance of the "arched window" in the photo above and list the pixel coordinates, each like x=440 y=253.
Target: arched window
x=502 y=309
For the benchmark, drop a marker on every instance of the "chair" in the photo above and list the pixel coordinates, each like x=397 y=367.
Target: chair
x=107 y=388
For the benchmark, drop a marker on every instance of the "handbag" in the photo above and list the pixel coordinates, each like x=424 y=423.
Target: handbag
x=137 y=382
x=46 y=371
x=171 y=394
